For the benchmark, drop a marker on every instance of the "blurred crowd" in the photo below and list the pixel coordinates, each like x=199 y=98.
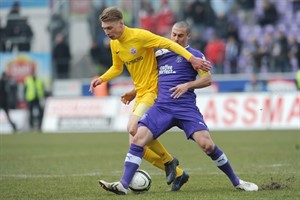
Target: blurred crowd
x=237 y=36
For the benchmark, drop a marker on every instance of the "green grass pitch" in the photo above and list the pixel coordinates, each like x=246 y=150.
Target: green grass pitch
x=68 y=166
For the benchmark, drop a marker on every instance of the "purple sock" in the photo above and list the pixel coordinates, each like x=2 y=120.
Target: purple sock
x=223 y=164
x=132 y=162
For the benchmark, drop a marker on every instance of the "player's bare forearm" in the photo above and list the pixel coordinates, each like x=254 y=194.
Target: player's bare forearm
x=202 y=82
x=180 y=89
x=127 y=97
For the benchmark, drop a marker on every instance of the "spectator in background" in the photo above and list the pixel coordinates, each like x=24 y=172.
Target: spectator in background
x=279 y=58
x=210 y=16
x=294 y=52
x=58 y=25
x=12 y=25
x=232 y=31
x=93 y=21
x=295 y=5
x=200 y=15
x=221 y=26
x=101 y=56
x=232 y=54
x=4 y=93
x=165 y=17
x=254 y=85
x=215 y=53
x=18 y=32
x=12 y=96
x=148 y=19
x=2 y=38
x=246 y=11
x=61 y=57
x=95 y=53
x=266 y=51
x=34 y=95
x=105 y=56
x=253 y=53
x=269 y=14
x=197 y=41
x=27 y=35
x=97 y=34
x=195 y=13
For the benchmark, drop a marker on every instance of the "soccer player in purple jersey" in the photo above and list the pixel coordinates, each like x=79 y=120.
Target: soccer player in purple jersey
x=175 y=106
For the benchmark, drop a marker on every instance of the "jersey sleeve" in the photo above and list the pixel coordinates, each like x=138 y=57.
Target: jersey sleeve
x=201 y=72
x=155 y=41
x=117 y=67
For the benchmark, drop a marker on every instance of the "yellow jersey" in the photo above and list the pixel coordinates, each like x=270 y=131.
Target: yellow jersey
x=135 y=49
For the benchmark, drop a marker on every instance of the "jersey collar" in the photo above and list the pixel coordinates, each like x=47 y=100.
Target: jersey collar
x=123 y=36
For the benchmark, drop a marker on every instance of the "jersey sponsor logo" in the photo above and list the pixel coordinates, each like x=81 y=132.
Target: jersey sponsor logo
x=166 y=69
x=134 y=60
x=133 y=51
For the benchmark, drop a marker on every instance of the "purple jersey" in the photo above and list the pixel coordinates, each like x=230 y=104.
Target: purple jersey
x=167 y=111
x=173 y=70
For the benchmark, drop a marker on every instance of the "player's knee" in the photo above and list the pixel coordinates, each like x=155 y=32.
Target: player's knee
x=142 y=137
x=131 y=130
x=208 y=147
x=137 y=140
x=134 y=140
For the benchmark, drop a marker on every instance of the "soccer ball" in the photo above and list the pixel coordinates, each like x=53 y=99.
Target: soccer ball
x=141 y=182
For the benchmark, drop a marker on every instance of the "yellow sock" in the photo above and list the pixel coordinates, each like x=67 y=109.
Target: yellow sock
x=179 y=171
x=155 y=160
x=160 y=150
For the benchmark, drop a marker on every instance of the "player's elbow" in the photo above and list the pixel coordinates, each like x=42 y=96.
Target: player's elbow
x=208 y=81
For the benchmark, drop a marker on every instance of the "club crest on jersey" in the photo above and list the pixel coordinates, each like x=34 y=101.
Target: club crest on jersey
x=133 y=51
x=178 y=59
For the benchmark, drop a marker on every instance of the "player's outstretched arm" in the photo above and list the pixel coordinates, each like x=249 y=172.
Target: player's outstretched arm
x=199 y=63
x=94 y=83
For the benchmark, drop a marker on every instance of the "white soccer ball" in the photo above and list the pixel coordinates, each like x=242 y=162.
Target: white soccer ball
x=141 y=182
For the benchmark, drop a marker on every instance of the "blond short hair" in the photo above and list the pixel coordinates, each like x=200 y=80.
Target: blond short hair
x=111 y=14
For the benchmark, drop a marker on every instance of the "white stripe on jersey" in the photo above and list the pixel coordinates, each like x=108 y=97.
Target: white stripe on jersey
x=133 y=159
x=161 y=52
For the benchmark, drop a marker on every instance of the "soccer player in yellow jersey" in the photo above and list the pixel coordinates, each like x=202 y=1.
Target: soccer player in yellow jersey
x=135 y=48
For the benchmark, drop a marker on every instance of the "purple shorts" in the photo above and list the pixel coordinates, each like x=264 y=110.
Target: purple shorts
x=161 y=117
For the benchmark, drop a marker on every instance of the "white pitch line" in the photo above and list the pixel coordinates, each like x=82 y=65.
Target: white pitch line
x=113 y=173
